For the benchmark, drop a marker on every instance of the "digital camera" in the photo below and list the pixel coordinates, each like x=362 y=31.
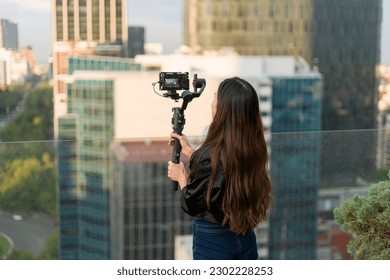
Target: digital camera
x=174 y=81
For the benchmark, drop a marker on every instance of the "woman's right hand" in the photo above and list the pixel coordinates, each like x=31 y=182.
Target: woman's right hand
x=186 y=148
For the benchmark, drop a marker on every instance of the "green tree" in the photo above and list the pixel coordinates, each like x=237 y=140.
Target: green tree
x=9 y=100
x=23 y=150
x=29 y=185
x=368 y=220
x=27 y=178
x=35 y=123
x=19 y=170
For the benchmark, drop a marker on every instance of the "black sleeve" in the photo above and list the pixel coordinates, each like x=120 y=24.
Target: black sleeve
x=193 y=195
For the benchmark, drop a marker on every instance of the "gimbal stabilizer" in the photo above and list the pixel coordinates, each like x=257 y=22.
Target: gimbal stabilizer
x=172 y=81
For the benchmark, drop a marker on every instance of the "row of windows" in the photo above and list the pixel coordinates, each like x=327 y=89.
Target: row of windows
x=98 y=93
x=83 y=21
x=89 y=251
x=99 y=127
x=255 y=26
x=290 y=9
x=350 y=10
x=98 y=112
x=99 y=65
x=95 y=143
x=95 y=207
x=253 y=9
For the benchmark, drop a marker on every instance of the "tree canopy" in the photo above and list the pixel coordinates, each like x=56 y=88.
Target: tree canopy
x=27 y=172
x=368 y=220
x=9 y=99
x=35 y=122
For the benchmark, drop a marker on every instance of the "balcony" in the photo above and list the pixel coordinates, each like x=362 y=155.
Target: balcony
x=122 y=206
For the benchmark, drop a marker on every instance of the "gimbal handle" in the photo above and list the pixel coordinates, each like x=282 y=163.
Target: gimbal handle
x=178 y=122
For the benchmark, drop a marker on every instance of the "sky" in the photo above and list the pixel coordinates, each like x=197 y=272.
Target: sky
x=162 y=20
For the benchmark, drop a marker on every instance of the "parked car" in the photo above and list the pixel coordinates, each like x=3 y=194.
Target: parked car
x=17 y=217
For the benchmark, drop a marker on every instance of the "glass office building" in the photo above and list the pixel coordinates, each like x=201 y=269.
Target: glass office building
x=9 y=35
x=295 y=161
x=342 y=38
x=84 y=160
x=136 y=35
x=339 y=37
x=91 y=117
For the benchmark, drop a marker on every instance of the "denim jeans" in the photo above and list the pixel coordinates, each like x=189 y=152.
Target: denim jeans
x=212 y=241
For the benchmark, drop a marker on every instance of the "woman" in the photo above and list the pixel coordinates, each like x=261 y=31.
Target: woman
x=227 y=189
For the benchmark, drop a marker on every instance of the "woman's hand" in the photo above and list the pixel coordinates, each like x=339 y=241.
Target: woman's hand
x=177 y=172
x=186 y=148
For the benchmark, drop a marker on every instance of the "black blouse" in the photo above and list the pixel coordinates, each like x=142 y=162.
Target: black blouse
x=193 y=195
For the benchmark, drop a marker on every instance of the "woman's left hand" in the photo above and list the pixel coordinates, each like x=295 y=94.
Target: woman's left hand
x=177 y=172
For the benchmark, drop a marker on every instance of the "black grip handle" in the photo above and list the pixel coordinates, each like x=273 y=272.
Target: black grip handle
x=176 y=159
x=178 y=122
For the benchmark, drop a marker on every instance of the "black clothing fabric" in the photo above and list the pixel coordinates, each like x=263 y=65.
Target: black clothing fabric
x=193 y=195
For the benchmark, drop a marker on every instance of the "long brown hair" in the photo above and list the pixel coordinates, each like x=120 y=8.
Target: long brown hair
x=236 y=142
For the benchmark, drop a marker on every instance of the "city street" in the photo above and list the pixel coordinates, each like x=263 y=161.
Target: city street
x=28 y=233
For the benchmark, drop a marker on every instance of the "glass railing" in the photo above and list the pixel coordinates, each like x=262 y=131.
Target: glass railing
x=92 y=199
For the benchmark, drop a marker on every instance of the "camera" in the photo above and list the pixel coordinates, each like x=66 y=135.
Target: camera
x=174 y=81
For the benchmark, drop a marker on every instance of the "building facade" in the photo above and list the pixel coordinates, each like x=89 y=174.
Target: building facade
x=9 y=38
x=84 y=27
x=341 y=38
x=146 y=213
x=136 y=37
x=295 y=166
x=84 y=158
x=15 y=66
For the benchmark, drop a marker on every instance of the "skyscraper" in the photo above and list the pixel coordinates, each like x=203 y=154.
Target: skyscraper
x=9 y=35
x=346 y=49
x=84 y=27
x=340 y=37
x=136 y=37
x=295 y=162
x=84 y=157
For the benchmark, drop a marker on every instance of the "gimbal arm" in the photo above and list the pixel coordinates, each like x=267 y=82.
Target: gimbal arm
x=178 y=122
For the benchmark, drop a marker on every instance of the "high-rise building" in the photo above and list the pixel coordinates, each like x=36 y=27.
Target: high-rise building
x=84 y=27
x=295 y=166
x=136 y=37
x=339 y=37
x=9 y=35
x=84 y=160
x=342 y=38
